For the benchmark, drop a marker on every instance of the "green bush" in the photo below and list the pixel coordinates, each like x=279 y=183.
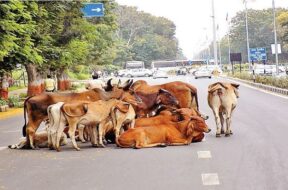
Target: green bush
x=14 y=101
x=3 y=102
x=281 y=82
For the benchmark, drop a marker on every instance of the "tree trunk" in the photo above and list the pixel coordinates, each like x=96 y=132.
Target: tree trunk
x=35 y=84
x=63 y=81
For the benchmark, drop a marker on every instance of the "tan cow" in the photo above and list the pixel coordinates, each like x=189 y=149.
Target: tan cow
x=89 y=113
x=222 y=99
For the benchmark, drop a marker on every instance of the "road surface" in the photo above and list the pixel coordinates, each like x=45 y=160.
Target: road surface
x=253 y=158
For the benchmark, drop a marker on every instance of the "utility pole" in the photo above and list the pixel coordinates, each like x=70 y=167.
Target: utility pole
x=229 y=48
x=275 y=38
x=247 y=33
x=214 y=35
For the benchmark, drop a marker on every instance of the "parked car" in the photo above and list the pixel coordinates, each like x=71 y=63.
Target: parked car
x=181 y=71
x=203 y=72
x=121 y=73
x=159 y=74
x=138 y=73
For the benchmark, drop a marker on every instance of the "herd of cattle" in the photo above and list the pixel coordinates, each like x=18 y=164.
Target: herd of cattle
x=132 y=115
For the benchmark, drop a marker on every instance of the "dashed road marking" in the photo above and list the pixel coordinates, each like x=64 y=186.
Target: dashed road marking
x=210 y=179
x=3 y=148
x=204 y=154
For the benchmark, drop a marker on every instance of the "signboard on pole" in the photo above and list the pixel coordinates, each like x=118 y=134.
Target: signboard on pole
x=235 y=57
x=258 y=54
x=93 y=10
x=278 y=48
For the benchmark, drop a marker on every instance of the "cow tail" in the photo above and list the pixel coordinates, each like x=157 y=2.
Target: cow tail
x=194 y=93
x=25 y=109
x=113 y=117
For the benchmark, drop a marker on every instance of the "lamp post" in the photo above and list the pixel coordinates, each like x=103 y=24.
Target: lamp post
x=214 y=35
x=275 y=38
x=229 y=47
x=247 y=33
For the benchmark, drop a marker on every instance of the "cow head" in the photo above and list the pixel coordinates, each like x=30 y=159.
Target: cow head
x=166 y=98
x=197 y=126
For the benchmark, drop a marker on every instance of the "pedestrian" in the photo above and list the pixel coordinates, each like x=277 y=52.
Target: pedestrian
x=50 y=85
x=4 y=87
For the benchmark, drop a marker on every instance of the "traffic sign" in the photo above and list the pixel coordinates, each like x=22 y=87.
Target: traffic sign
x=93 y=10
x=258 y=54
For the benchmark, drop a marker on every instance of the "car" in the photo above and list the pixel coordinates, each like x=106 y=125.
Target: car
x=203 y=72
x=121 y=73
x=138 y=73
x=181 y=71
x=159 y=74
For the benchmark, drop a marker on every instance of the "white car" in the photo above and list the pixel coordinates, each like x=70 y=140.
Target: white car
x=203 y=72
x=138 y=73
x=121 y=73
x=159 y=74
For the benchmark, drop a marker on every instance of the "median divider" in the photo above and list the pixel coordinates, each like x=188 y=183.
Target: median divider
x=261 y=86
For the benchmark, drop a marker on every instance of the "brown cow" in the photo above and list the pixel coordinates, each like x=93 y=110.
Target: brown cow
x=185 y=93
x=151 y=101
x=181 y=133
x=36 y=106
x=170 y=117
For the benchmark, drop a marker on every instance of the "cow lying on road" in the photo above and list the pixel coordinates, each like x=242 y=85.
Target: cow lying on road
x=179 y=133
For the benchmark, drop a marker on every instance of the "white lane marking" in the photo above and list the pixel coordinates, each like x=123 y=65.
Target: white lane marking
x=16 y=131
x=3 y=148
x=259 y=89
x=210 y=179
x=204 y=154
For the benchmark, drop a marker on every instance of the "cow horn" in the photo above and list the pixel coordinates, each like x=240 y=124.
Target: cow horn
x=128 y=85
x=109 y=85
x=125 y=83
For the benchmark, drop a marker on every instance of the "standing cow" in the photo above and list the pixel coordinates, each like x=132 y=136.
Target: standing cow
x=222 y=99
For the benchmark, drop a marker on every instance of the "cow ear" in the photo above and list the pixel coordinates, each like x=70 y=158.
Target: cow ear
x=161 y=90
x=123 y=107
x=235 y=85
x=190 y=129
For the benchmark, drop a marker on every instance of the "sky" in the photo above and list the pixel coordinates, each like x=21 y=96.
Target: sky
x=193 y=18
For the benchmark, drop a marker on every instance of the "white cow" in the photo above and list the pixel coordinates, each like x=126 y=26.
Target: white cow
x=222 y=99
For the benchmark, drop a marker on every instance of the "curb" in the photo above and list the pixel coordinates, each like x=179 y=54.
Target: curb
x=277 y=90
x=11 y=113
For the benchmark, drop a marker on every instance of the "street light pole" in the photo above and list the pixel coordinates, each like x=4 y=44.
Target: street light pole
x=229 y=48
x=214 y=35
x=275 y=38
x=247 y=33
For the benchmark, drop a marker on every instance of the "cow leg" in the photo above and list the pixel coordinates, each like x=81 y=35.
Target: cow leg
x=217 y=120
x=81 y=132
x=93 y=131
x=57 y=136
x=222 y=122
x=151 y=145
x=100 y=131
x=178 y=142
x=71 y=133
x=228 y=124
x=31 y=130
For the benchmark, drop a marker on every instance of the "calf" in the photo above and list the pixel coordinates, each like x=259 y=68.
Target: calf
x=180 y=133
x=222 y=99
x=89 y=113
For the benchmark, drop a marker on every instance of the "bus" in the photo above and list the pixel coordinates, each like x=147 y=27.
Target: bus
x=134 y=65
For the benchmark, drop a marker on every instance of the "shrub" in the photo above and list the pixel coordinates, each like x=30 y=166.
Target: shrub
x=14 y=101
x=3 y=102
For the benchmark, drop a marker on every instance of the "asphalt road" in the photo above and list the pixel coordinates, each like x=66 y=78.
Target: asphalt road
x=254 y=157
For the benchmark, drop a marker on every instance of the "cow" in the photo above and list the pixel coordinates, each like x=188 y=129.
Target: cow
x=40 y=139
x=170 y=117
x=152 y=101
x=222 y=99
x=180 y=133
x=36 y=106
x=185 y=93
x=89 y=113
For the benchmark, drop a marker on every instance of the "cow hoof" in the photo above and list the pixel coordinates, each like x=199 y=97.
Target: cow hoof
x=58 y=149
x=218 y=135
x=231 y=133
x=222 y=132
x=163 y=145
x=83 y=141
x=94 y=145
x=78 y=149
x=101 y=146
x=227 y=135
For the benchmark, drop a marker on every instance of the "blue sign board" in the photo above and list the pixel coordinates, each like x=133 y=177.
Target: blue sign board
x=93 y=10
x=258 y=54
